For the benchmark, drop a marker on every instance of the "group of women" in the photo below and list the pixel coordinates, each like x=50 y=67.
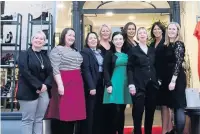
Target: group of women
x=86 y=92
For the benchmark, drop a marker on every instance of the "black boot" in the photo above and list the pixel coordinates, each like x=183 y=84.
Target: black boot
x=43 y=16
x=46 y=33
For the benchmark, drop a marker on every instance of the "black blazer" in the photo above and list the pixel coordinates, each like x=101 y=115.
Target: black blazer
x=159 y=58
x=128 y=45
x=30 y=79
x=108 y=67
x=89 y=69
x=141 y=68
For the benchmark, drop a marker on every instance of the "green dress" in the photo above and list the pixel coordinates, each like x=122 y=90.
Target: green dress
x=120 y=92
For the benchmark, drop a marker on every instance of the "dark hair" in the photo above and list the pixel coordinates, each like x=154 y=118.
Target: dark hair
x=125 y=29
x=86 y=39
x=62 y=38
x=113 y=46
x=161 y=26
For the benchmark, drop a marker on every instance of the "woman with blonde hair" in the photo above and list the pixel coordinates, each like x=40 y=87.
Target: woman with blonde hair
x=143 y=83
x=174 y=80
x=35 y=82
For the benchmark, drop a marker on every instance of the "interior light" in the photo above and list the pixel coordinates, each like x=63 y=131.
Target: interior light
x=109 y=13
x=60 y=5
x=131 y=17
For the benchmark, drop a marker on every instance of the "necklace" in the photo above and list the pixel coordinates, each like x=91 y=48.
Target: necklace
x=41 y=61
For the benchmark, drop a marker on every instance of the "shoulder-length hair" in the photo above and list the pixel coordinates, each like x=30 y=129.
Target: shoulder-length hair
x=62 y=37
x=141 y=28
x=179 y=34
x=101 y=27
x=86 y=39
x=161 y=26
x=113 y=46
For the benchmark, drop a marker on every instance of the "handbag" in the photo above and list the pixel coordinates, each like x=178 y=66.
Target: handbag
x=192 y=97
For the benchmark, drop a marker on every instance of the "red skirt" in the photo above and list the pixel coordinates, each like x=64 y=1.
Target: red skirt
x=71 y=105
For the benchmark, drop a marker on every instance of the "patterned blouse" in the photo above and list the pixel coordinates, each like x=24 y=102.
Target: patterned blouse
x=65 y=58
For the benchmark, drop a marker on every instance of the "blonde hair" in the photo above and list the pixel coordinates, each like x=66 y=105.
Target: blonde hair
x=41 y=33
x=178 y=37
x=141 y=28
x=101 y=27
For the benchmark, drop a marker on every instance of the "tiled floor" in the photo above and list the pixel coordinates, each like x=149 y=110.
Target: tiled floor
x=129 y=122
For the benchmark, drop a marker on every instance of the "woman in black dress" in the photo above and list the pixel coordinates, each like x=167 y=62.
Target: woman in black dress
x=174 y=79
x=158 y=36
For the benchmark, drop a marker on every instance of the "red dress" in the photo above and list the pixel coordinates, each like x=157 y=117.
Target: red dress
x=197 y=34
x=70 y=106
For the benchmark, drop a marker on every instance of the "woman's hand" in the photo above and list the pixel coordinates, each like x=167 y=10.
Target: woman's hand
x=172 y=85
x=109 y=89
x=61 y=89
x=132 y=89
x=93 y=92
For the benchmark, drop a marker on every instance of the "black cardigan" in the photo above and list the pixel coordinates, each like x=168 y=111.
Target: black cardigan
x=31 y=77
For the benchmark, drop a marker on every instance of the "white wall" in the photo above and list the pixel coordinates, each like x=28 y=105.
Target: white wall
x=24 y=7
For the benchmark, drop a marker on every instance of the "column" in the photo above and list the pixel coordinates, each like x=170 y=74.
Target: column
x=176 y=11
x=76 y=24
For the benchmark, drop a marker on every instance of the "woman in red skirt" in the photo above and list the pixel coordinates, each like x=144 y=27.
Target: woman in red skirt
x=67 y=104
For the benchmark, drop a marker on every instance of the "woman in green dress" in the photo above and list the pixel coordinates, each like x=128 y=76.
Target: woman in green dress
x=116 y=92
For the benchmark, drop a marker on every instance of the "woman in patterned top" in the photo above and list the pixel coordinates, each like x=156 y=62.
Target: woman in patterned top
x=67 y=104
x=174 y=80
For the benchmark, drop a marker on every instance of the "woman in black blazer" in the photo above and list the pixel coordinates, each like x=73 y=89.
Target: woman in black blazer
x=92 y=72
x=143 y=84
x=35 y=80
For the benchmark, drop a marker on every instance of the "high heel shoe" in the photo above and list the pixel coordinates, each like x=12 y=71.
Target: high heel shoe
x=9 y=37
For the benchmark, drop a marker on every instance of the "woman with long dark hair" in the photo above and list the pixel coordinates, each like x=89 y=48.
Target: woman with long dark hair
x=158 y=36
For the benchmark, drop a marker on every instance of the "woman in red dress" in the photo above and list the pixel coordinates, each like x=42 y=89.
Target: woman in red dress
x=67 y=104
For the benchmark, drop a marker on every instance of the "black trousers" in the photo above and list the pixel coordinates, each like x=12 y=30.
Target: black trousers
x=144 y=100
x=94 y=110
x=120 y=118
x=62 y=127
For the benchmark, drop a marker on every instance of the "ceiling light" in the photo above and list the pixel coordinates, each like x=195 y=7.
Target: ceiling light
x=60 y=5
x=109 y=13
x=131 y=17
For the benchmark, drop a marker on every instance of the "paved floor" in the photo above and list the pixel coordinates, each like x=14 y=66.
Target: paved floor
x=128 y=116
x=129 y=122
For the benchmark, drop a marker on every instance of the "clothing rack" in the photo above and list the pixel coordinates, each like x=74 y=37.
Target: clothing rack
x=198 y=18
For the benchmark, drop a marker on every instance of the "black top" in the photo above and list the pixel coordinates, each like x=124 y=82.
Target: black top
x=159 y=58
x=31 y=75
x=174 y=57
x=90 y=69
x=103 y=50
x=108 y=67
x=141 y=68
x=129 y=45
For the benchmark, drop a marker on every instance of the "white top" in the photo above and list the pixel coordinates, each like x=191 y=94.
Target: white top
x=144 y=48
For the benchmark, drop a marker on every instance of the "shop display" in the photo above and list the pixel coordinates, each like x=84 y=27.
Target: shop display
x=39 y=23
x=9 y=71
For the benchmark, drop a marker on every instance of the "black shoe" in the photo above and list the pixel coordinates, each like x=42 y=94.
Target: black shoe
x=7 y=17
x=43 y=16
x=9 y=37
